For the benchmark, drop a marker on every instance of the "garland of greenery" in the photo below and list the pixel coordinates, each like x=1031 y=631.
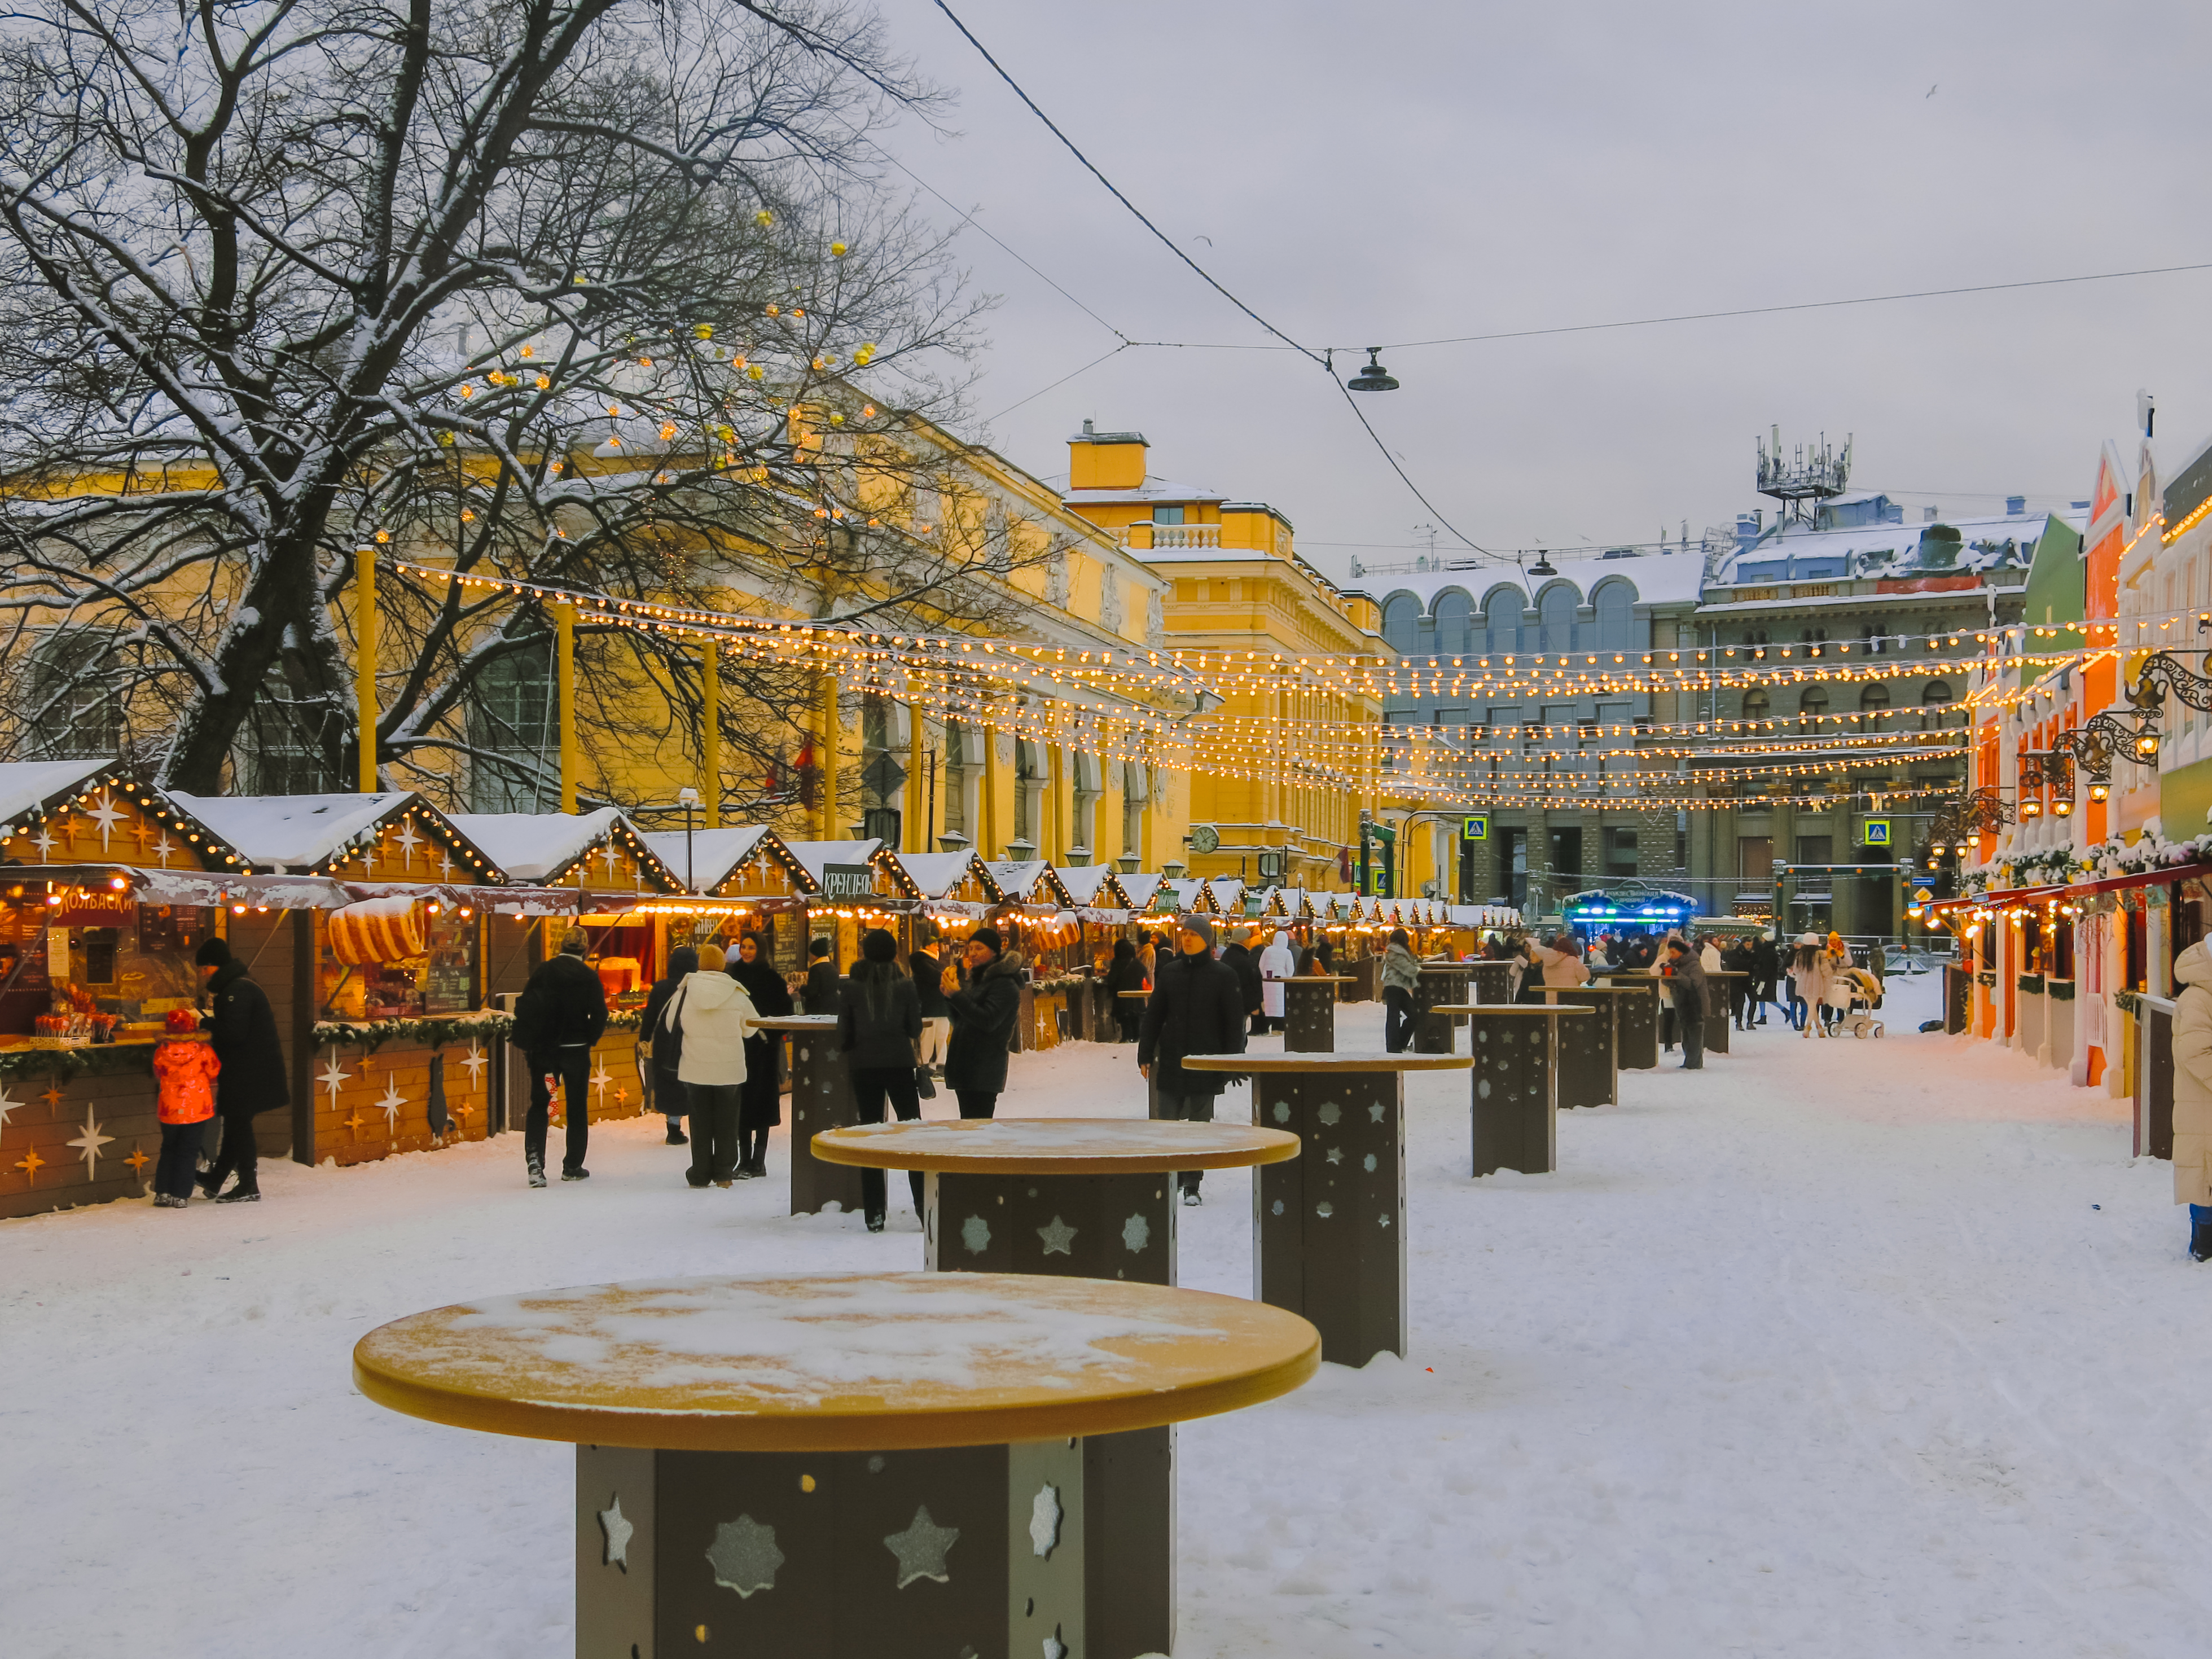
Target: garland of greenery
x=2060 y=990
x=432 y=1030
x=91 y=1059
x=2031 y=984
x=2127 y=1002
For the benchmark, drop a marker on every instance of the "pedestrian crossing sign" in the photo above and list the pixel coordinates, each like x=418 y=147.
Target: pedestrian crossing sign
x=1877 y=832
x=1475 y=827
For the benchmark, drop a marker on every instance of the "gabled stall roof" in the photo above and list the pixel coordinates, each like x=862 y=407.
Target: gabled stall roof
x=31 y=792
x=1228 y=894
x=711 y=857
x=308 y=834
x=543 y=848
x=1139 y=888
x=934 y=875
x=1030 y=881
x=815 y=856
x=1094 y=885
x=1192 y=896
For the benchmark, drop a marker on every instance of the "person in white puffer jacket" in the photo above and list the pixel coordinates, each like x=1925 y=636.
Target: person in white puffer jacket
x=2192 y=1095
x=712 y=1016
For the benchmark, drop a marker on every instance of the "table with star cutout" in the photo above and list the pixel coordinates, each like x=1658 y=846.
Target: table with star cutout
x=851 y=1465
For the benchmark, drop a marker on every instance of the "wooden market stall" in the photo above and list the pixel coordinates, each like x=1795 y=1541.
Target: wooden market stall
x=1037 y=917
x=91 y=961
x=953 y=893
x=742 y=879
x=378 y=983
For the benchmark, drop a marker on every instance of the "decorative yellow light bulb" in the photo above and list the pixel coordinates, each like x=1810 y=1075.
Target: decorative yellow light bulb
x=763 y=218
x=544 y=381
x=837 y=250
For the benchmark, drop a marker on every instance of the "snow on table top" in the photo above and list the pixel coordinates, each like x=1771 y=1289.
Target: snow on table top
x=834 y=1361
x=1044 y=1145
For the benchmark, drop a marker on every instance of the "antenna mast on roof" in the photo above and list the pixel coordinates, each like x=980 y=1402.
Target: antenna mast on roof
x=1808 y=476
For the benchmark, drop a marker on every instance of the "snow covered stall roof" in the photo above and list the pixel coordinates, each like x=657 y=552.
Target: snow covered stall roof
x=715 y=859
x=543 y=847
x=35 y=793
x=319 y=834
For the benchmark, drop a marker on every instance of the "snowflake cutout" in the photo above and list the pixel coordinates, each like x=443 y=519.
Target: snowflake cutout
x=1136 y=1233
x=975 y=1234
x=745 y=1557
x=1044 y=1520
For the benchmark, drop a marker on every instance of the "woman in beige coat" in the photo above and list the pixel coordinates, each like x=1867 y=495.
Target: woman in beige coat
x=2192 y=1095
x=1813 y=971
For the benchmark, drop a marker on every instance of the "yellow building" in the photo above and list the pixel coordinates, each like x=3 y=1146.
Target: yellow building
x=1234 y=582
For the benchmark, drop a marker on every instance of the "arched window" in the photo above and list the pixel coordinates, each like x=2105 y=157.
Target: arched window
x=1872 y=702
x=1455 y=612
x=1616 y=616
x=1934 y=701
x=1401 y=620
x=1756 y=706
x=1503 y=613
x=1557 y=608
x=1812 y=703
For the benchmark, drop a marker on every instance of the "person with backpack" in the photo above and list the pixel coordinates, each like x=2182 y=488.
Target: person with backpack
x=984 y=1011
x=252 y=1080
x=562 y=1012
x=668 y=1097
x=879 y=1024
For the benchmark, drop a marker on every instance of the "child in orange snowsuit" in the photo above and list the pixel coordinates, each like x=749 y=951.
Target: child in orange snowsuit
x=185 y=1066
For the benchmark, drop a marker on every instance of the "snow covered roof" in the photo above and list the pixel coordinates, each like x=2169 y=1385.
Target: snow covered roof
x=709 y=857
x=541 y=846
x=32 y=790
x=936 y=874
x=1140 y=888
x=1084 y=883
x=1228 y=894
x=814 y=856
x=1022 y=880
x=1656 y=578
x=1153 y=489
x=1796 y=551
x=304 y=832
x=27 y=786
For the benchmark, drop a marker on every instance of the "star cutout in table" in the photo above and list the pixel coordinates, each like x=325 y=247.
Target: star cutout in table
x=618 y=1532
x=89 y=1143
x=107 y=817
x=1336 y=1154
x=476 y=1063
x=30 y=1163
x=1057 y=1238
x=330 y=1077
x=389 y=1104
x=921 y=1549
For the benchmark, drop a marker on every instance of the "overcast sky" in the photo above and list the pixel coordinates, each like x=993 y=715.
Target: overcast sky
x=1399 y=171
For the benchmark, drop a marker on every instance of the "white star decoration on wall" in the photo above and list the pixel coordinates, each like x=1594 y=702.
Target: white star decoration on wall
x=445 y=865
x=390 y=1105
x=7 y=1105
x=107 y=817
x=409 y=841
x=44 y=841
x=330 y=1077
x=608 y=852
x=600 y=1078
x=476 y=1063
x=164 y=848
x=89 y=1143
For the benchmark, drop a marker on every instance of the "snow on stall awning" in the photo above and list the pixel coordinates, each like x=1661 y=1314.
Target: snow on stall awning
x=305 y=833
x=544 y=846
x=1083 y=882
x=936 y=874
x=816 y=856
x=1140 y=889
x=707 y=857
x=31 y=790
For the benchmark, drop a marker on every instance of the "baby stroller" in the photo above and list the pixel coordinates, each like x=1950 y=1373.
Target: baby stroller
x=1859 y=1012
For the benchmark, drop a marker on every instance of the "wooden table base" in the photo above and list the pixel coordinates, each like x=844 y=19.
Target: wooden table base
x=1515 y=1110
x=1432 y=1032
x=820 y=1098
x=1636 y=1036
x=1587 y=1074
x=1331 y=1223
x=991 y=1551
x=1309 y=1015
x=1102 y=1226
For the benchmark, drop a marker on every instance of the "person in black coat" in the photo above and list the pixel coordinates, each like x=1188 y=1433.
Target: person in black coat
x=1238 y=957
x=667 y=1087
x=1687 y=984
x=252 y=1080
x=879 y=1024
x=1126 y=973
x=1735 y=958
x=984 y=1010
x=562 y=1012
x=760 y=1109
x=1197 y=1007
x=1766 y=974
x=819 y=994
x=928 y=971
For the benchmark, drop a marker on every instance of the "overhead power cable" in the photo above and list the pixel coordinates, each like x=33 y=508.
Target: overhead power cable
x=1323 y=359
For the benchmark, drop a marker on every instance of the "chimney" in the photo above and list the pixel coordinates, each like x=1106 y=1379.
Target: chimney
x=1086 y=429
x=1928 y=515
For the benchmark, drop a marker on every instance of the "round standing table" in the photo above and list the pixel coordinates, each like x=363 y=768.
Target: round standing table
x=1515 y=1109
x=1089 y=1197
x=1329 y=1227
x=820 y=1098
x=839 y=1466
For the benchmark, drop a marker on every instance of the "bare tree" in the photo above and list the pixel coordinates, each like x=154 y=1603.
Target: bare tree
x=595 y=294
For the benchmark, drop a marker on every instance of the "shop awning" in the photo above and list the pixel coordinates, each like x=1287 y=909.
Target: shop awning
x=2165 y=877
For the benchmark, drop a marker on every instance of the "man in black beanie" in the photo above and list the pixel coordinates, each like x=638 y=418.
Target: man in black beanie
x=252 y=1080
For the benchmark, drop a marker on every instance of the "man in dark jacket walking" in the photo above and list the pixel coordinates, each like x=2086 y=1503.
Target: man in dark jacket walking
x=984 y=1010
x=1197 y=1007
x=819 y=994
x=879 y=1024
x=936 y=1014
x=667 y=1047
x=1765 y=972
x=1238 y=957
x=252 y=1080
x=1691 y=989
x=562 y=1012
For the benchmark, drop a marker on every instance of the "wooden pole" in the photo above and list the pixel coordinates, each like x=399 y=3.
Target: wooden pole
x=364 y=668
x=989 y=849
x=564 y=634
x=710 y=740
x=826 y=758
x=913 y=825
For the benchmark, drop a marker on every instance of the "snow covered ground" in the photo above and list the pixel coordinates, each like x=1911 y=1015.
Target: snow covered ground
x=1841 y=1348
